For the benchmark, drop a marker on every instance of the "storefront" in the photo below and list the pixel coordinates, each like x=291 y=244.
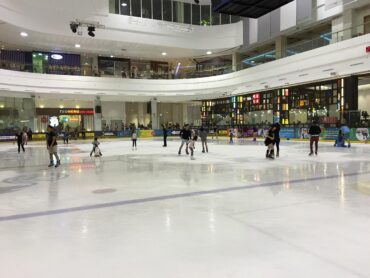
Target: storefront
x=329 y=102
x=81 y=119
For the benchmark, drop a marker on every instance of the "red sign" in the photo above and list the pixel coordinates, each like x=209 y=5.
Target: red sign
x=367 y=49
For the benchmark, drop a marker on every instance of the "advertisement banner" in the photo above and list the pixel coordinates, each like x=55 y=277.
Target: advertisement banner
x=360 y=134
x=330 y=133
x=146 y=133
x=287 y=132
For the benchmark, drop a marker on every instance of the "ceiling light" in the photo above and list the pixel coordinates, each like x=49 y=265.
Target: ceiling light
x=56 y=57
x=74 y=27
x=41 y=106
x=61 y=106
x=209 y=52
x=2 y=106
x=77 y=106
x=111 y=56
x=24 y=34
x=77 y=45
x=164 y=53
x=124 y=4
x=91 y=30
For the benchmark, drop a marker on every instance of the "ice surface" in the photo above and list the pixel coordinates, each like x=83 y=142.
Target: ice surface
x=152 y=213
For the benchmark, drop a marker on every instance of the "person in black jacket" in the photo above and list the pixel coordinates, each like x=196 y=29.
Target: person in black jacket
x=314 y=132
x=277 y=138
x=164 y=135
x=20 y=140
x=185 y=135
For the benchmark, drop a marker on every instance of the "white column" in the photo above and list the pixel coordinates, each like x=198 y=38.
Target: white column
x=185 y=113
x=97 y=116
x=236 y=61
x=154 y=115
x=140 y=113
x=280 y=46
x=124 y=117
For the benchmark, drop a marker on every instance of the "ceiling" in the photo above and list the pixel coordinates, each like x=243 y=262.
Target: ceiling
x=249 y=8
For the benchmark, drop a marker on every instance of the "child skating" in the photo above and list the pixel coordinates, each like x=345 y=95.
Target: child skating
x=96 y=149
x=269 y=142
x=192 y=146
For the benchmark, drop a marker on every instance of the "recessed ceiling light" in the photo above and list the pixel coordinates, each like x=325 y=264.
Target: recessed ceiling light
x=61 y=106
x=124 y=4
x=209 y=52
x=111 y=56
x=77 y=106
x=24 y=34
x=164 y=53
x=41 y=106
x=77 y=45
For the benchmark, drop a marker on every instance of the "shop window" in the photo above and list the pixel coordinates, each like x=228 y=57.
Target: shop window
x=167 y=10
x=225 y=19
x=205 y=14
x=215 y=18
x=136 y=8
x=187 y=13
x=125 y=7
x=146 y=9
x=195 y=14
x=157 y=9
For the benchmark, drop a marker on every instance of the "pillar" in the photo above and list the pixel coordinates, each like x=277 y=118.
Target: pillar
x=154 y=114
x=281 y=43
x=97 y=115
x=140 y=113
x=124 y=117
x=236 y=61
x=185 y=113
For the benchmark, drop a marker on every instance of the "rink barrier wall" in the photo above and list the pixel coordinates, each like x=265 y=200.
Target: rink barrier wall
x=356 y=134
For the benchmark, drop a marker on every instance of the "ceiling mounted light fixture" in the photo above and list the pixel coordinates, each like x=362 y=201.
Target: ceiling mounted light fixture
x=77 y=45
x=209 y=52
x=124 y=4
x=164 y=53
x=24 y=34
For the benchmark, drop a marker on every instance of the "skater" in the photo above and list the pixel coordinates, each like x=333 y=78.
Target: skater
x=134 y=139
x=66 y=137
x=346 y=132
x=203 y=137
x=231 y=135
x=29 y=134
x=19 y=138
x=52 y=146
x=164 y=135
x=192 y=146
x=185 y=135
x=269 y=142
x=314 y=132
x=95 y=144
x=277 y=138
x=255 y=133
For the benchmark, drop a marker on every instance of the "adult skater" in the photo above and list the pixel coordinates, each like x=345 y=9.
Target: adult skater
x=203 y=137
x=164 y=135
x=185 y=135
x=52 y=146
x=269 y=142
x=314 y=133
x=20 y=141
x=134 y=139
x=231 y=136
x=277 y=138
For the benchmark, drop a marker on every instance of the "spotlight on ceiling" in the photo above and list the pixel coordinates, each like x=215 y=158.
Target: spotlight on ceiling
x=124 y=4
x=74 y=26
x=91 y=30
x=209 y=52
x=24 y=34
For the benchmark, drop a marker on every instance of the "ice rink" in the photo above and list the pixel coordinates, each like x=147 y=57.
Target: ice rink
x=151 y=213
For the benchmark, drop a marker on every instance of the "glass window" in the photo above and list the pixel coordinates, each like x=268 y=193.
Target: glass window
x=124 y=6
x=146 y=9
x=195 y=14
x=187 y=13
x=215 y=18
x=136 y=8
x=167 y=10
x=206 y=14
x=235 y=19
x=157 y=9
x=114 y=6
x=225 y=19
x=178 y=11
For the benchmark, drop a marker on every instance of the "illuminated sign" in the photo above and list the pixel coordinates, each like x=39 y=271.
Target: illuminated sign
x=56 y=57
x=53 y=121
x=76 y=111
x=256 y=98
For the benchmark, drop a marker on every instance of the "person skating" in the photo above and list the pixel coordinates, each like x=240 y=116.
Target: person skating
x=192 y=146
x=134 y=139
x=52 y=146
x=164 y=135
x=269 y=142
x=314 y=133
x=203 y=137
x=95 y=144
x=231 y=136
x=185 y=135
x=277 y=138
x=20 y=142
x=255 y=133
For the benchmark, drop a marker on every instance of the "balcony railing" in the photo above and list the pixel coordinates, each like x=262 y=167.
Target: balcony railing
x=143 y=70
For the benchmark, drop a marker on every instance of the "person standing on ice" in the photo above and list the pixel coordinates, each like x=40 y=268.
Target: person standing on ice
x=164 y=135
x=269 y=142
x=185 y=135
x=314 y=133
x=203 y=137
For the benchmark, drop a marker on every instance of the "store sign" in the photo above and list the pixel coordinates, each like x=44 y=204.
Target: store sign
x=56 y=57
x=76 y=111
